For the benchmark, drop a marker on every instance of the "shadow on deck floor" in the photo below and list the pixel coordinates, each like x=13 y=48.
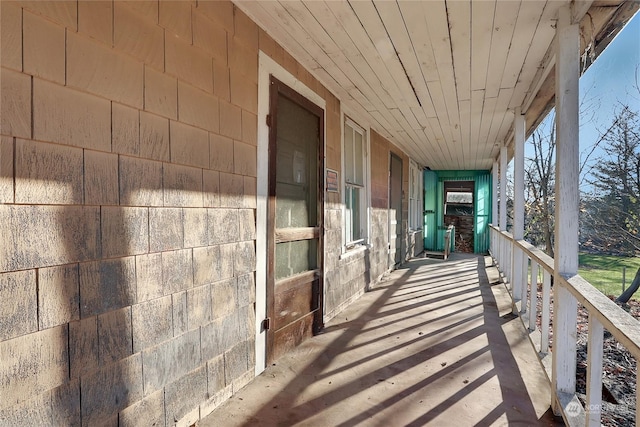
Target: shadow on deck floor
x=435 y=343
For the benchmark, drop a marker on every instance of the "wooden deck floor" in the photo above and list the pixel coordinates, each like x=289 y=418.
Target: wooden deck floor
x=434 y=344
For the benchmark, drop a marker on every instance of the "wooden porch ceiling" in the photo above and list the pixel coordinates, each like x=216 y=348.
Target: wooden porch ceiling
x=441 y=79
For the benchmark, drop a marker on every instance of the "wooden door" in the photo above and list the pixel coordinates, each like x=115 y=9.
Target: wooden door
x=395 y=209
x=295 y=215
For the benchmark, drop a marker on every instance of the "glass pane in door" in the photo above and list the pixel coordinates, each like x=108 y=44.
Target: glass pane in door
x=296 y=186
x=296 y=257
x=297 y=166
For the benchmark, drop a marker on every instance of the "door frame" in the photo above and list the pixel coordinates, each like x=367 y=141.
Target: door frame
x=267 y=67
x=392 y=262
x=278 y=88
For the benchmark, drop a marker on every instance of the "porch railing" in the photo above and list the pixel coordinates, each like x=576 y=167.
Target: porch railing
x=449 y=235
x=603 y=314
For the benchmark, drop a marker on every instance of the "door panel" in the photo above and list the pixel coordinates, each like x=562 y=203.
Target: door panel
x=292 y=335
x=483 y=213
x=294 y=302
x=395 y=209
x=430 y=206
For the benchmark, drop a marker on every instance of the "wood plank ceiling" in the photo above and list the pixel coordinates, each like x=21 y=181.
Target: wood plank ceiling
x=440 y=79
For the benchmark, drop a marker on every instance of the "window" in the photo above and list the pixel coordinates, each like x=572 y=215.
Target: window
x=458 y=198
x=355 y=184
x=459 y=203
x=416 y=196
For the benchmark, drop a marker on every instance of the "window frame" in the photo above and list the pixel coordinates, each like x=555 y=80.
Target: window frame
x=365 y=193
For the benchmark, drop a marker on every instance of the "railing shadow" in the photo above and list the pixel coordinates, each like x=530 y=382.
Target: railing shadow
x=409 y=370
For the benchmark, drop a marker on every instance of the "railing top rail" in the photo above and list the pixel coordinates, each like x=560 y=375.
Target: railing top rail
x=538 y=255
x=618 y=322
x=503 y=232
x=544 y=260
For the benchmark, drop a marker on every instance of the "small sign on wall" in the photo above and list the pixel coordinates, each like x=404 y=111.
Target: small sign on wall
x=332 y=181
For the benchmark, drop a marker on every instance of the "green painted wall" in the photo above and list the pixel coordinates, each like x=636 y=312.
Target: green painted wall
x=434 y=207
x=430 y=207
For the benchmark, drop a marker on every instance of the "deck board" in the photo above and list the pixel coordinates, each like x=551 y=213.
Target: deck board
x=434 y=344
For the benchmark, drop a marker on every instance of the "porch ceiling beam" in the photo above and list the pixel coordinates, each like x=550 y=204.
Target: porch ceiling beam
x=579 y=8
x=547 y=64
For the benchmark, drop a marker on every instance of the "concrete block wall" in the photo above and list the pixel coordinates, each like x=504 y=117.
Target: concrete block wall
x=128 y=137
x=127 y=210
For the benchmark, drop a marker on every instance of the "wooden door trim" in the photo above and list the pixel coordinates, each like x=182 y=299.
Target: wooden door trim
x=291 y=282
x=276 y=89
x=294 y=234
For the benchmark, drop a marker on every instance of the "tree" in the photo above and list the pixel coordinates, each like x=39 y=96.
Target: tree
x=635 y=285
x=612 y=212
x=540 y=173
x=540 y=195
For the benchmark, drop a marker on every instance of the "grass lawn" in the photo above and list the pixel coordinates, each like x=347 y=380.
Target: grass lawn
x=605 y=272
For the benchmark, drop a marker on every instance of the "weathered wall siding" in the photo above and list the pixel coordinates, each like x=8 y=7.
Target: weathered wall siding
x=349 y=275
x=380 y=261
x=127 y=208
x=336 y=293
x=127 y=191
x=381 y=150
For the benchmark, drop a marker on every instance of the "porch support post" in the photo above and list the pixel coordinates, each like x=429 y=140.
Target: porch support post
x=518 y=273
x=494 y=206
x=504 y=244
x=503 y=188
x=566 y=209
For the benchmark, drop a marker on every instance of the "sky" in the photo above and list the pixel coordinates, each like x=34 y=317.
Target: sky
x=612 y=76
x=606 y=85
x=610 y=83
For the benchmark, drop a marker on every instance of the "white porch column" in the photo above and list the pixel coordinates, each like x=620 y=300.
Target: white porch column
x=494 y=206
x=503 y=188
x=567 y=199
x=518 y=273
x=505 y=252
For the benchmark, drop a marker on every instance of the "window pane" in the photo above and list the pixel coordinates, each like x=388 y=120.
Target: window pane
x=297 y=170
x=459 y=197
x=357 y=232
x=348 y=154
x=353 y=214
x=355 y=175
x=296 y=257
x=348 y=221
x=358 y=159
x=412 y=204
